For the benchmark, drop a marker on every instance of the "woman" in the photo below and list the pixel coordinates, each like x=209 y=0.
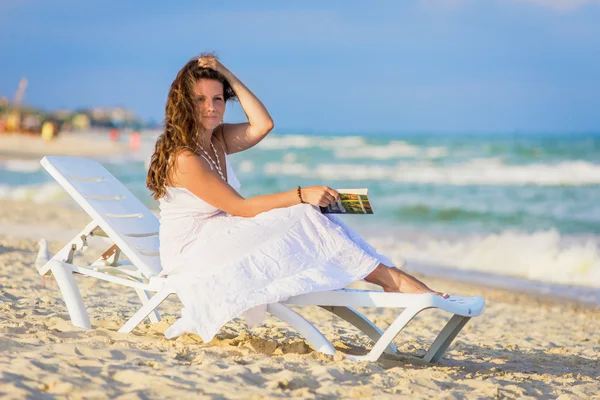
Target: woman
x=225 y=255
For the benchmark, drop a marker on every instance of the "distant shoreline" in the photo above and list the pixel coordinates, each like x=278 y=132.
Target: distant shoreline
x=25 y=146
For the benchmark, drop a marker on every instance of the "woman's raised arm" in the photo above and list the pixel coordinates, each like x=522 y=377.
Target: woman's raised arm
x=239 y=137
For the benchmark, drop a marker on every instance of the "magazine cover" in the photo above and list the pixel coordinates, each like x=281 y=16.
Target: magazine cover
x=352 y=201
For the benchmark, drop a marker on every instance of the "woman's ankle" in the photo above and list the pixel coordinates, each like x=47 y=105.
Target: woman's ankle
x=382 y=276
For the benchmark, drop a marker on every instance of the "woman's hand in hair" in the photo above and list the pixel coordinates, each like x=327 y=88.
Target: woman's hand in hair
x=212 y=63
x=321 y=196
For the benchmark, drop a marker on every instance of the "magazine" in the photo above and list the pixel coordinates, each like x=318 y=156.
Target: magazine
x=351 y=201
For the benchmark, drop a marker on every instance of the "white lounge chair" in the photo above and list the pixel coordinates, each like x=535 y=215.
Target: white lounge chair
x=131 y=227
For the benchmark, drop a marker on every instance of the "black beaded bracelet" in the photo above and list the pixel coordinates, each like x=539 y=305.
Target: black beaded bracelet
x=300 y=195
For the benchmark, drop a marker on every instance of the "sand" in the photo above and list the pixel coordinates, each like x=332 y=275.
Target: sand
x=26 y=146
x=521 y=347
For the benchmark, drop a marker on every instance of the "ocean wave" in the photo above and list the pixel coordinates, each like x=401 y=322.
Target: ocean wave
x=473 y=172
x=16 y=165
x=391 y=150
x=49 y=192
x=305 y=142
x=427 y=213
x=542 y=256
x=245 y=167
x=34 y=166
x=353 y=147
x=478 y=215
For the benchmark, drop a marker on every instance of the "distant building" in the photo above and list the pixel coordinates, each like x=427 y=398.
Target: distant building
x=31 y=123
x=63 y=114
x=81 y=122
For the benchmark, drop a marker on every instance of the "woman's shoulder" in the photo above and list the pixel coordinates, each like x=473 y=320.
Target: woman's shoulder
x=186 y=160
x=184 y=151
x=186 y=155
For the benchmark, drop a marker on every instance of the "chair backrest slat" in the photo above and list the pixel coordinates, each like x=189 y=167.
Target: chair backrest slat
x=121 y=215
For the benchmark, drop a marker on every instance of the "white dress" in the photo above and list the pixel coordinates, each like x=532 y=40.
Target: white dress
x=222 y=266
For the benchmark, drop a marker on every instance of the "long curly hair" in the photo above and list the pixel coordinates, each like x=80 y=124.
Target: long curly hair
x=182 y=123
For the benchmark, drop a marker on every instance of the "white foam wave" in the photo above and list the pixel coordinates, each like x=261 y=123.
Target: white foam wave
x=50 y=192
x=541 y=256
x=16 y=165
x=473 y=172
x=393 y=149
x=436 y=152
x=245 y=166
x=388 y=151
x=305 y=142
x=353 y=147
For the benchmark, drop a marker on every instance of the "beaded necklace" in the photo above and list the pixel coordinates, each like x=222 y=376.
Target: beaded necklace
x=216 y=164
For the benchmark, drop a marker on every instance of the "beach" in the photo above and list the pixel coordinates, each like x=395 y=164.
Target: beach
x=523 y=346
x=27 y=147
x=470 y=127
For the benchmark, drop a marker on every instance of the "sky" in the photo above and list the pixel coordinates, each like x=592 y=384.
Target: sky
x=477 y=66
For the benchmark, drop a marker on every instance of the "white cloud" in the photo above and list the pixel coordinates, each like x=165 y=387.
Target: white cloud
x=442 y=3
x=562 y=5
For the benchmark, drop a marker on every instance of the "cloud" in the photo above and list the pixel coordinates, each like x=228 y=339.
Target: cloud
x=436 y=4
x=562 y=5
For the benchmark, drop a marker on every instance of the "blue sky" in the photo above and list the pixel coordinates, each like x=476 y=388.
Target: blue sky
x=336 y=66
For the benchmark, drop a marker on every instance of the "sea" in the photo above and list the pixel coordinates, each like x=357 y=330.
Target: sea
x=518 y=210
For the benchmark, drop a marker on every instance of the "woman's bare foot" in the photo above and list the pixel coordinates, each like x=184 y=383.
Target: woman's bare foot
x=395 y=280
x=406 y=283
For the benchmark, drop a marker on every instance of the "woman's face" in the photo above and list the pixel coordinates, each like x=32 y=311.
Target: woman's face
x=210 y=102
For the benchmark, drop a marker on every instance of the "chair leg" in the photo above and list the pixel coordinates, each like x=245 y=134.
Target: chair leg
x=144 y=296
x=304 y=327
x=68 y=287
x=146 y=309
x=361 y=322
x=390 y=333
x=446 y=336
